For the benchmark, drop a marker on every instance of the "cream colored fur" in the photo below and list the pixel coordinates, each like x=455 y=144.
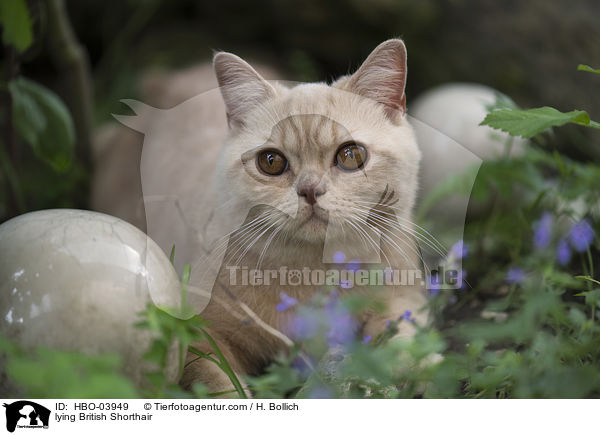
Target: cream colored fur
x=214 y=171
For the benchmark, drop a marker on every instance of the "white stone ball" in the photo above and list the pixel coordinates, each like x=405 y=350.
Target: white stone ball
x=76 y=280
x=449 y=134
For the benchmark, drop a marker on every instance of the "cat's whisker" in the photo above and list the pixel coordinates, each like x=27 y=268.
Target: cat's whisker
x=226 y=237
x=241 y=243
x=373 y=243
x=390 y=237
x=392 y=220
x=388 y=224
x=256 y=239
x=412 y=226
x=398 y=248
x=402 y=240
x=244 y=232
x=267 y=244
x=440 y=245
x=229 y=240
x=362 y=238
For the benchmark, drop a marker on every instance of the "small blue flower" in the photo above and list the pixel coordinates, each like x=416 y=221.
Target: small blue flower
x=367 y=339
x=434 y=284
x=515 y=275
x=339 y=257
x=542 y=233
x=303 y=326
x=342 y=327
x=407 y=316
x=353 y=265
x=563 y=252
x=286 y=302
x=581 y=235
x=459 y=250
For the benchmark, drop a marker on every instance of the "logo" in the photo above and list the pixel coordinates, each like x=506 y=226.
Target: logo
x=26 y=414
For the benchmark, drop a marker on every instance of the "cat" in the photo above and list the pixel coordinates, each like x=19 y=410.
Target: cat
x=264 y=176
x=326 y=158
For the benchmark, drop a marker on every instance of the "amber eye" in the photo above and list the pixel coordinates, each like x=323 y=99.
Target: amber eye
x=350 y=156
x=272 y=162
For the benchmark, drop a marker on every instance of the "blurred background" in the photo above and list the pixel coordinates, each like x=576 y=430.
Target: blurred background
x=92 y=53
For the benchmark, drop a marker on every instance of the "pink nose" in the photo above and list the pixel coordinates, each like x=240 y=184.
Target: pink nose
x=310 y=192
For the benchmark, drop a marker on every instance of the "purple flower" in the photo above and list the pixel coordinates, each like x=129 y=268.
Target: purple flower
x=581 y=235
x=563 y=252
x=342 y=326
x=353 y=265
x=345 y=284
x=286 y=302
x=515 y=275
x=434 y=284
x=542 y=233
x=459 y=250
x=367 y=339
x=407 y=316
x=303 y=325
x=339 y=257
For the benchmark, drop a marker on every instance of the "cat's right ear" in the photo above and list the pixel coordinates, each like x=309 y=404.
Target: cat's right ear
x=241 y=86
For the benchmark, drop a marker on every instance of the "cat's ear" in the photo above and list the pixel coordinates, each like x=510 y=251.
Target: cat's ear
x=241 y=86
x=382 y=77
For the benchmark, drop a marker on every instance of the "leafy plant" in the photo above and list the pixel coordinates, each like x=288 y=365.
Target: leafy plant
x=43 y=121
x=35 y=116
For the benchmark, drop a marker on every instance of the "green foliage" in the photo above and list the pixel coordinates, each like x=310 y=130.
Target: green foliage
x=16 y=24
x=48 y=373
x=43 y=121
x=588 y=69
x=529 y=123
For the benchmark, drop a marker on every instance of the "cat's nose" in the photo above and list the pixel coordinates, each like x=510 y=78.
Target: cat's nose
x=310 y=192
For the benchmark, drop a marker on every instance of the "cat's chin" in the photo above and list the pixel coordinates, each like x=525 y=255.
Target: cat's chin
x=312 y=229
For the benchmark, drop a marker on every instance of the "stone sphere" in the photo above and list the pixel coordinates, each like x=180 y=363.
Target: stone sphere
x=449 y=134
x=76 y=280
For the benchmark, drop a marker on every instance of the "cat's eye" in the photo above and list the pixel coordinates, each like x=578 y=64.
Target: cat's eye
x=350 y=156
x=271 y=162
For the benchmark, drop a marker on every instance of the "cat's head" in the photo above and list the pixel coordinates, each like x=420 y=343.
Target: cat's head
x=323 y=154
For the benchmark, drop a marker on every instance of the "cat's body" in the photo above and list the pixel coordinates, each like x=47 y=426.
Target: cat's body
x=225 y=199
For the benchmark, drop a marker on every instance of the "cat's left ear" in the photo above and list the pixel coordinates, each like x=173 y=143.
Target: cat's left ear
x=382 y=77
x=241 y=86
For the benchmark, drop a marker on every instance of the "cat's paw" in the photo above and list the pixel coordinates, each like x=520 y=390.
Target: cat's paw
x=213 y=378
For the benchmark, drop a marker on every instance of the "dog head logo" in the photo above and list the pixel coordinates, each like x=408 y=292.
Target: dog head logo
x=26 y=414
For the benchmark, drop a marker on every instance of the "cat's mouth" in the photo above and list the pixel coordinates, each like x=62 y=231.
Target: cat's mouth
x=316 y=216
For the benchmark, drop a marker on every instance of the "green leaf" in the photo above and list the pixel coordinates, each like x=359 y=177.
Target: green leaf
x=16 y=24
x=43 y=121
x=528 y=123
x=588 y=68
x=172 y=256
x=588 y=278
